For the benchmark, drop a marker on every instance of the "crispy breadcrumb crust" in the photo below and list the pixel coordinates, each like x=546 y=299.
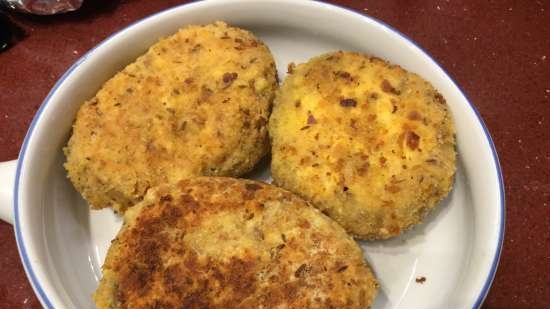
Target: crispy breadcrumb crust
x=367 y=142
x=196 y=103
x=214 y=242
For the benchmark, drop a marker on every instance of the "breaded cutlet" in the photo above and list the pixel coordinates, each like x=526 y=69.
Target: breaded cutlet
x=367 y=142
x=196 y=103
x=219 y=243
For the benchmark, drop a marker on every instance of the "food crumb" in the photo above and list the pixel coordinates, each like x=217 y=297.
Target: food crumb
x=348 y=103
x=421 y=280
x=290 y=68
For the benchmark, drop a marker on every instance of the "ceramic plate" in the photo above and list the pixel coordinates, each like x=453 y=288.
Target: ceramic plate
x=456 y=250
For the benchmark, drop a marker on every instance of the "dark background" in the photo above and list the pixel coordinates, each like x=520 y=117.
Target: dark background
x=497 y=51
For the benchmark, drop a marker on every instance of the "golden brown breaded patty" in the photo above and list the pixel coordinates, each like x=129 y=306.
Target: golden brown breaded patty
x=367 y=142
x=214 y=242
x=196 y=103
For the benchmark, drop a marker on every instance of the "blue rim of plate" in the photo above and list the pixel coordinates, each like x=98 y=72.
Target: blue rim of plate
x=17 y=224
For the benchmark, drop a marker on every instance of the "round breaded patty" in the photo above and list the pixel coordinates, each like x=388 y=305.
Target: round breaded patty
x=196 y=103
x=368 y=143
x=214 y=242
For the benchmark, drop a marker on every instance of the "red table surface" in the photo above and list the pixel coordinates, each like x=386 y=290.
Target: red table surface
x=497 y=51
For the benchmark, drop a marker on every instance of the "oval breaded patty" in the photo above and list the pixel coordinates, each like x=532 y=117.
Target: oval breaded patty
x=214 y=242
x=196 y=103
x=368 y=143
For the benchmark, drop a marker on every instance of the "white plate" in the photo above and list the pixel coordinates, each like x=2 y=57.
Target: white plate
x=456 y=250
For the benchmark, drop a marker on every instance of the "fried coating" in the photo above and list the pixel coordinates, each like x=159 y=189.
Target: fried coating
x=367 y=142
x=215 y=242
x=196 y=103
